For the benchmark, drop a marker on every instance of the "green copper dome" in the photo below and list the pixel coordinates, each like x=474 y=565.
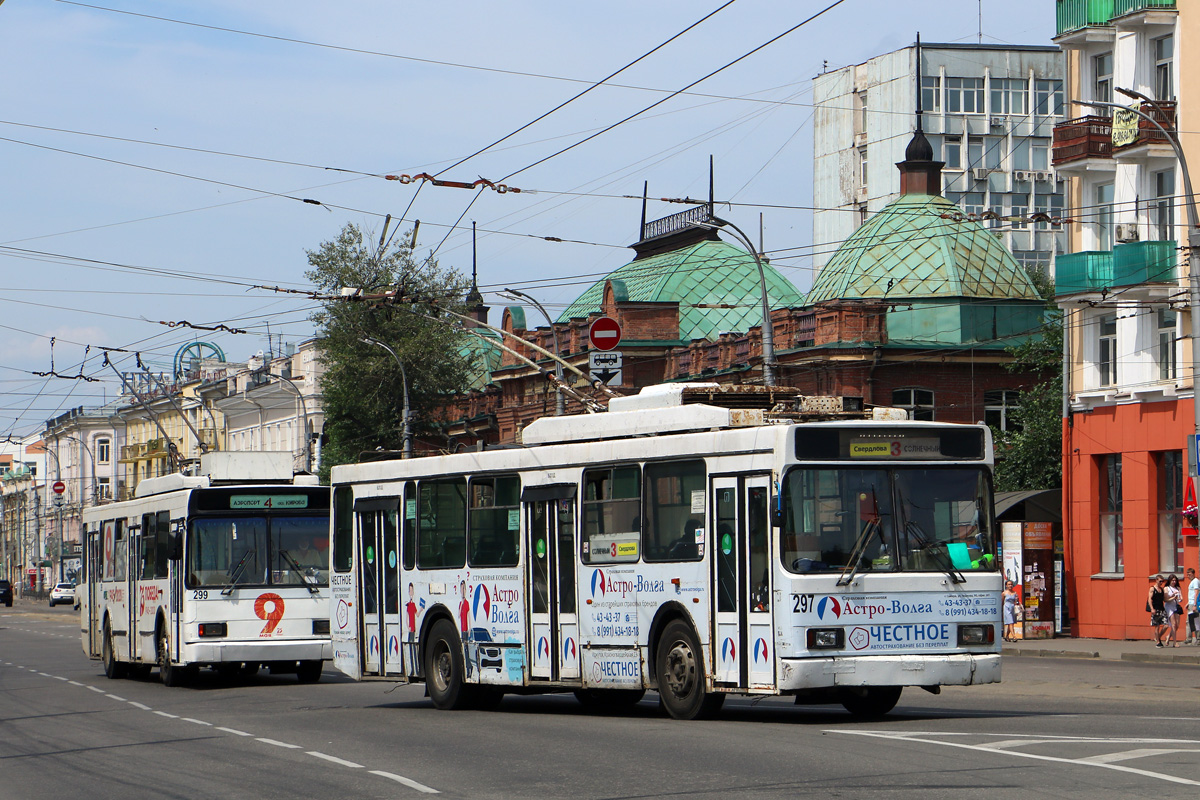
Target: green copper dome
x=908 y=250
x=708 y=273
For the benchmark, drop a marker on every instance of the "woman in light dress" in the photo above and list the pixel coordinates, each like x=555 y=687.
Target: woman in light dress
x=1010 y=598
x=1173 y=605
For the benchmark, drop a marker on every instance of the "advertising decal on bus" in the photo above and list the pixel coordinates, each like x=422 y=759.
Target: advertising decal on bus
x=612 y=669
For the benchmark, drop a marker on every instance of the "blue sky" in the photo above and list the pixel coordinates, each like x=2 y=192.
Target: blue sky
x=103 y=239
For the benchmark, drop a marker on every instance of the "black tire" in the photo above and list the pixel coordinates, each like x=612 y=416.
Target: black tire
x=871 y=701
x=609 y=701
x=679 y=669
x=444 y=668
x=170 y=674
x=113 y=669
x=309 y=671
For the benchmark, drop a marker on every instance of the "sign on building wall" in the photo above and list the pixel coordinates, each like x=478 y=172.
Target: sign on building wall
x=1125 y=126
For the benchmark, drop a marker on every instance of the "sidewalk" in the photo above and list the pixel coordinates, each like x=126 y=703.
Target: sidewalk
x=1106 y=649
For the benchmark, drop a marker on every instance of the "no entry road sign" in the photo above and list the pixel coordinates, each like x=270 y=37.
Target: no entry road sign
x=605 y=334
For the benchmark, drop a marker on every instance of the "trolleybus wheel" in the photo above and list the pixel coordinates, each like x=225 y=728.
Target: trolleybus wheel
x=871 y=701
x=171 y=674
x=609 y=700
x=309 y=671
x=444 y=668
x=112 y=668
x=680 y=671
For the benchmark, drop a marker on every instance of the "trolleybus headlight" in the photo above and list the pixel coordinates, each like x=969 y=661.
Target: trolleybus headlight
x=976 y=634
x=209 y=629
x=321 y=627
x=826 y=638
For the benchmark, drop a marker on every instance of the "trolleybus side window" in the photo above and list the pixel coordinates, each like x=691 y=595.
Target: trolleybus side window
x=162 y=545
x=611 y=515
x=675 y=506
x=343 y=528
x=494 y=521
x=408 y=544
x=149 y=543
x=442 y=524
x=120 y=551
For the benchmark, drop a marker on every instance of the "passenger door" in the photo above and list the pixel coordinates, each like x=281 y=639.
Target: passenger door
x=743 y=641
x=550 y=554
x=379 y=591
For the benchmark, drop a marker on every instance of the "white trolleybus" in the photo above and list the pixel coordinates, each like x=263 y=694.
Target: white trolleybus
x=684 y=541
x=227 y=569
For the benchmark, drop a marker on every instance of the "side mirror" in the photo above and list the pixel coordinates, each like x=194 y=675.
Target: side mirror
x=175 y=543
x=777 y=517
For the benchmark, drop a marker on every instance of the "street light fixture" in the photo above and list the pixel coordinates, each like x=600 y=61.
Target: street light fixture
x=559 y=404
x=406 y=413
x=768 y=332
x=1193 y=245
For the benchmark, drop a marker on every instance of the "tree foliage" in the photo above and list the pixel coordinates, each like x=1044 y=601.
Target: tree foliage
x=1031 y=456
x=362 y=388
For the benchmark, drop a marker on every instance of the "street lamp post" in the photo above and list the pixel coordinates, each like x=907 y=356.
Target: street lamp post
x=1193 y=246
x=308 y=460
x=559 y=403
x=768 y=332
x=406 y=413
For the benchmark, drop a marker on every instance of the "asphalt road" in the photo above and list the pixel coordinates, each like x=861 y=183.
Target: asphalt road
x=1065 y=728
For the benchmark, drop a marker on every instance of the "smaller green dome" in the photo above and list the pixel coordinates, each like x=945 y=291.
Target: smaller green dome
x=911 y=250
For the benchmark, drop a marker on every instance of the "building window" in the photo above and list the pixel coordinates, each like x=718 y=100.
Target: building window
x=1040 y=149
x=1033 y=260
x=1102 y=70
x=993 y=152
x=964 y=95
x=973 y=203
x=1169 y=469
x=1164 y=202
x=1112 y=555
x=862 y=213
x=1020 y=154
x=931 y=93
x=998 y=407
x=1167 y=364
x=862 y=112
x=103 y=451
x=1164 y=82
x=1020 y=210
x=974 y=151
x=1048 y=97
x=103 y=489
x=1107 y=360
x=1104 y=216
x=917 y=402
x=862 y=168
x=952 y=152
x=1009 y=95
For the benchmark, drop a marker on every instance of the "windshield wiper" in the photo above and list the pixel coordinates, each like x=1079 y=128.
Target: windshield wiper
x=308 y=584
x=860 y=547
x=941 y=555
x=237 y=572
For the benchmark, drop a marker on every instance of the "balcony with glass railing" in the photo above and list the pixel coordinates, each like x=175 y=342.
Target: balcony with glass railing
x=1074 y=15
x=1129 y=264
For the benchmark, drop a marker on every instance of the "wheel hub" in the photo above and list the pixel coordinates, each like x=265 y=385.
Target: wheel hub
x=681 y=669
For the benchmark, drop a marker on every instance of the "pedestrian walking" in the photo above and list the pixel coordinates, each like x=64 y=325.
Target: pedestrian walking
x=1193 y=607
x=1172 y=606
x=1155 y=601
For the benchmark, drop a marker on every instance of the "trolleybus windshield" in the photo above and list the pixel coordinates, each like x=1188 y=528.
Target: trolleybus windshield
x=903 y=518
x=258 y=551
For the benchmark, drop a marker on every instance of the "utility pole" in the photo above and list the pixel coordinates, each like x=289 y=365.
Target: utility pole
x=559 y=404
x=406 y=412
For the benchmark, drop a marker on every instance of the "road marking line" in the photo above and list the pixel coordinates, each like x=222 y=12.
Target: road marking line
x=165 y=714
x=97 y=691
x=1144 y=752
x=335 y=760
x=59 y=678
x=420 y=787
x=278 y=743
x=75 y=683
x=197 y=721
x=142 y=706
x=234 y=731
x=115 y=697
x=1018 y=754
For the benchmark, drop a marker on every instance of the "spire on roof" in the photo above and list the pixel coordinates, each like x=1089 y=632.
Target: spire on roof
x=919 y=173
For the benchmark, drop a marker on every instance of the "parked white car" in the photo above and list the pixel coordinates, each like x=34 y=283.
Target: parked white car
x=62 y=593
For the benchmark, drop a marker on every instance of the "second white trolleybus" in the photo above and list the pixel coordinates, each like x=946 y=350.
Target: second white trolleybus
x=680 y=543
x=225 y=569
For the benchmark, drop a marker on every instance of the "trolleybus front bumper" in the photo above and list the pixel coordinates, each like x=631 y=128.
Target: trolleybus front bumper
x=952 y=669
x=259 y=651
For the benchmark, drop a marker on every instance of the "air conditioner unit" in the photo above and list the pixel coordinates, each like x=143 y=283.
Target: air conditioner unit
x=1127 y=232
x=1043 y=176
x=1021 y=175
x=999 y=122
x=980 y=173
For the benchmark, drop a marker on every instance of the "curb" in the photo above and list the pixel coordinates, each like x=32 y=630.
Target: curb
x=1161 y=658
x=1014 y=651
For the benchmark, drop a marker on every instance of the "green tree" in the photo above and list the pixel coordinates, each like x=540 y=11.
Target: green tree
x=1031 y=456
x=362 y=388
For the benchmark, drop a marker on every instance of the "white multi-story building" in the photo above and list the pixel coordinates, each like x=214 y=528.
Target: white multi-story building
x=989 y=112
x=275 y=404
x=23 y=525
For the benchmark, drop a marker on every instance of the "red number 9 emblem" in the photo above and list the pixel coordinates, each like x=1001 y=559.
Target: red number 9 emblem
x=273 y=616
